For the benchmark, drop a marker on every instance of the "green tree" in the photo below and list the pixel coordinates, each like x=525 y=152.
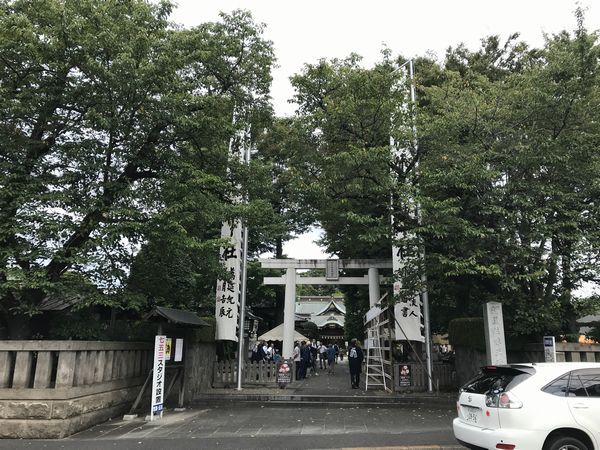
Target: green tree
x=113 y=124
x=347 y=111
x=508 y=181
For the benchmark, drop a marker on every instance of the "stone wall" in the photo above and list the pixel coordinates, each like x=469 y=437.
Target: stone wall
x=51 y=389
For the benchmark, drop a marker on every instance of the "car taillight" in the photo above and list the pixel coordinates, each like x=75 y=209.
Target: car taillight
x=502 y=400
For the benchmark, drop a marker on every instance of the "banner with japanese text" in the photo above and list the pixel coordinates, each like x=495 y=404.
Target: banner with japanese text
x=158 y=376
x=228 y=291
x=408 y=314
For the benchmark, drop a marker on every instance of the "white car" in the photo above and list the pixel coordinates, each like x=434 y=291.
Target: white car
x=535 y=406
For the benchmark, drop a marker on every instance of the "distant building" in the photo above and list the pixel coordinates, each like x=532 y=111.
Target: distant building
x=328 y=313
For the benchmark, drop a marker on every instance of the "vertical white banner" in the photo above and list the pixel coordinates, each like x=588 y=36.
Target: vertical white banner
x=228 y=292
x=407 y=313
x=158 y=376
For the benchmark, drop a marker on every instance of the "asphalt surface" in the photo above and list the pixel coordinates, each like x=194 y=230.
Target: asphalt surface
x=265 y=427
x=223 y=421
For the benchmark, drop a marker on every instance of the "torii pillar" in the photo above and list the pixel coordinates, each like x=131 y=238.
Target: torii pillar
x=289 y=313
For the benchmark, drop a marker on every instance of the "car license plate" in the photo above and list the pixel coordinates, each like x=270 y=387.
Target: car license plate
x=471 y=414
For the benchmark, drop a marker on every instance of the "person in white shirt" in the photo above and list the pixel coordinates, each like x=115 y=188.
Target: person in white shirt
x=296 y=356
x=322 y=356
x=270 y=351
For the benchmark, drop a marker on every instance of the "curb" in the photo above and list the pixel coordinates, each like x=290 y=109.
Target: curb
x=322 y=400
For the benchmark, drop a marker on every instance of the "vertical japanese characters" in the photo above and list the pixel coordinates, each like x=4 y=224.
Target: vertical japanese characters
x=158 y=376
x=228 y=291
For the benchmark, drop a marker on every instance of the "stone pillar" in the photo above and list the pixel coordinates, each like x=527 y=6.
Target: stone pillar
x=289 y=313
x=494 y=333
x=373 y=286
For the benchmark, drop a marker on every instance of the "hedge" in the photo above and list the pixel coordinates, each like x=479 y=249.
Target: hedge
x=467 y=332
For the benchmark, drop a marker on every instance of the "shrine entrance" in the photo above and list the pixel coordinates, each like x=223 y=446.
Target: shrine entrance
x=326 y=313
x=332 y=268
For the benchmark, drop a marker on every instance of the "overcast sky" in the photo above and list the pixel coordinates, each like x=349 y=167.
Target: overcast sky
x=305 y=31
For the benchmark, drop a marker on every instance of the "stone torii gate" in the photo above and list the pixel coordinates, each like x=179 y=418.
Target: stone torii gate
x=332 y=276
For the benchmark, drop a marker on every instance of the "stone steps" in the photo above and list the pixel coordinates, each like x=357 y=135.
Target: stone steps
x=305 y=399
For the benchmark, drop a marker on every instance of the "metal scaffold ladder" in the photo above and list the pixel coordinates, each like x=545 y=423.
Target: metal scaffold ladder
x=376 y=375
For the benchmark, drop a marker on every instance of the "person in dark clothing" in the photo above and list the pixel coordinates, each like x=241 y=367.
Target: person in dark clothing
x=304 y=359
x=314 y=355
x=331 y=359
x=355 y=359
x=261 y=352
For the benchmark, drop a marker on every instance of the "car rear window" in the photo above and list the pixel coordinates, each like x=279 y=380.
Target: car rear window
x=497 y=379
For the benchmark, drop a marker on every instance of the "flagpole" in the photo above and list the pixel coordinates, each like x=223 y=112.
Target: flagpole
x=243 y=289
x=423 y=294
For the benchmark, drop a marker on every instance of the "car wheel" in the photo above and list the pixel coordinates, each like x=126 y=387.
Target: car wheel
x=566 y=443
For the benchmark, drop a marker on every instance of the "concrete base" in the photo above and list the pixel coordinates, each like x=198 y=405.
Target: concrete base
x=55 y=428
x=55 y=419
x=129 y=417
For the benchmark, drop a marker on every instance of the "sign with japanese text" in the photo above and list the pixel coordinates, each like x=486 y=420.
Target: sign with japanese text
x=284 y=372
x=409 y=325
x=158 y=376
x=168 y=348
x=494 y=333
x=178 y=350
x=409 y=319
x=228 y=292
x=405 y=379
x=549 y=349
x=332 y=269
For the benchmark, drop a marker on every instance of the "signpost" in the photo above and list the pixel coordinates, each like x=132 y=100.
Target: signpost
x=549 y=349
x=494 y=333
x=405 y=376
x=158 y=377
x=284 y=373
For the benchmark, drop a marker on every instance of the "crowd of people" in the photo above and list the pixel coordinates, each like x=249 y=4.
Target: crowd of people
x=310 y=357
x=263 y=351
x=307 y=354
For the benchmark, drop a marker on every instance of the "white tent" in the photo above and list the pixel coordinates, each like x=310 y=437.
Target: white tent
x=276 y=334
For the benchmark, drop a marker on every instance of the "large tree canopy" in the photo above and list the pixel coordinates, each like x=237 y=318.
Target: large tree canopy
x=504 y=167
x=116 y=169
x=114 y=130
x=509 y=181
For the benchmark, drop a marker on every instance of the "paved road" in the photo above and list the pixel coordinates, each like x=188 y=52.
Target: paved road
x=336 y=383
x=265 y=426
